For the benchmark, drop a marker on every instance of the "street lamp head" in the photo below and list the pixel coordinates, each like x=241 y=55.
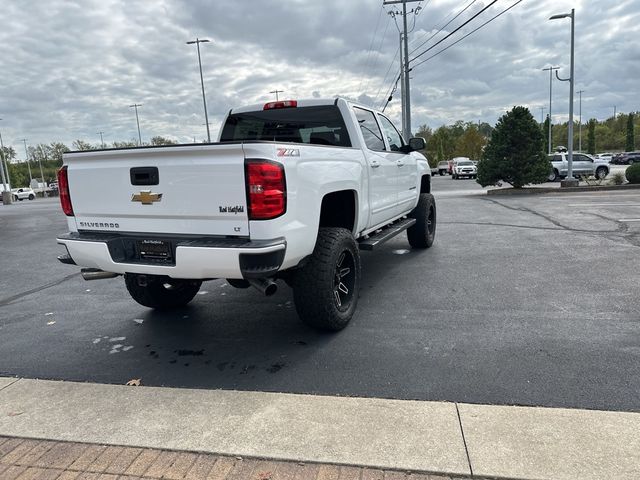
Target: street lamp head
x=561 y=15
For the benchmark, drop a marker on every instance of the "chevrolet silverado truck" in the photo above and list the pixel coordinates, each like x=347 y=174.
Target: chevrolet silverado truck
x=292 y=191
x=583 y=164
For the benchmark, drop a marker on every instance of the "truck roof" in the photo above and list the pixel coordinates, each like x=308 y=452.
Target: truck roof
x=305 y=102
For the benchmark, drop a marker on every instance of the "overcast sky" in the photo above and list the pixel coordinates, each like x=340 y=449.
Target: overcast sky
x=70 y=69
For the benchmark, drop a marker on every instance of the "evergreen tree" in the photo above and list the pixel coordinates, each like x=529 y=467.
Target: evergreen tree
x=515 y=152
x=630 y=144
x=591 y=137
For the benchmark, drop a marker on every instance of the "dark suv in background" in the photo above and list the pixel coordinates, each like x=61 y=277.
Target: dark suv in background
x=626 y=158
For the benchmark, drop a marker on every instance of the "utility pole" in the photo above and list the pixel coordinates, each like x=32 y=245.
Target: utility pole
x=551 y=69
x=276 y=91
x=101 y=139
x=580 y=92
x=406 y=95
x=542 y=109
x=198 y=41
x=26 y=152
x=136 y=105
x=614 y=112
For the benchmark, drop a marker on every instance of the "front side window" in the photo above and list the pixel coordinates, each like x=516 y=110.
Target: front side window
x=319 y=125
x=370 y=129
x=393 y=136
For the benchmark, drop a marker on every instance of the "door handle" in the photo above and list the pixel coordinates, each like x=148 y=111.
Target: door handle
x=400 y=163
x=374 y=164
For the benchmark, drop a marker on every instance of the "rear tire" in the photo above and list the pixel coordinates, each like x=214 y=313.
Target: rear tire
x=326 y=289
x=31 y=196
x=161 y=292
x=423 y=232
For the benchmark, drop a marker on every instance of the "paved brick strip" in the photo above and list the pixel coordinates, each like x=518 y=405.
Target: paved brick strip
x=26 y=459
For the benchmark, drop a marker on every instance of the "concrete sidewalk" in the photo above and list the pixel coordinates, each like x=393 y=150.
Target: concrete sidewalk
x=458 y=440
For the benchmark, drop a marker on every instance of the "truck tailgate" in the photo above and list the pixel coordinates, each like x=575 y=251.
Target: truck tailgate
x=199 y=190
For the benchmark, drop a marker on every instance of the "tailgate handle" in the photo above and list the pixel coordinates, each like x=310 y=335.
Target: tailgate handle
x=145 y=176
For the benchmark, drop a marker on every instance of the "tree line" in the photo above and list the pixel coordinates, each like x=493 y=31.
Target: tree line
x=49 y=156
x=469 y=139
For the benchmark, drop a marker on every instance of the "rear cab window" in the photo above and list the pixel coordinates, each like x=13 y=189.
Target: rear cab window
x=393 y=136
x=315 y=125
x=370 y=129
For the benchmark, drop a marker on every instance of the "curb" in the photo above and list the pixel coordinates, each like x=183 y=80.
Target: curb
x=537 y=190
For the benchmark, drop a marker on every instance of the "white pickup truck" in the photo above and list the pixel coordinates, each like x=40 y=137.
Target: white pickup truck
x=293 y=190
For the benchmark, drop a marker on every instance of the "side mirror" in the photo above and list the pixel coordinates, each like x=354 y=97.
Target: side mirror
x=417 y=143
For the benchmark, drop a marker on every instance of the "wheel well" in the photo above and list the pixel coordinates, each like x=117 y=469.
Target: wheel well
x=339 y=210
x=425 y=184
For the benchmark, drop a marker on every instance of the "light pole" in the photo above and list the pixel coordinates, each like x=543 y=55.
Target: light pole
x=198 y=41
x=101 y=139
x=580 y=92
x=569 y=181
x=276 y=91
x=136 y=105
x=26 y=152
x=6 y=194
x=551 y=69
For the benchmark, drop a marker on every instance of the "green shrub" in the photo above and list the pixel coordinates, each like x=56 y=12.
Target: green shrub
x=633 y=173
x=617 y=178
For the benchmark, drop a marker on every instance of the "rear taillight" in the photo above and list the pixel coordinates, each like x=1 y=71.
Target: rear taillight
x=266 y=189
x=280 y=104
x=63 y=188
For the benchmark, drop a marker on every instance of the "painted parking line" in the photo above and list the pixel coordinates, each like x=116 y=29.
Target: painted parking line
x=604 y=205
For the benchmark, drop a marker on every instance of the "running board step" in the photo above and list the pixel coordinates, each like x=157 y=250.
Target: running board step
x=386 y=233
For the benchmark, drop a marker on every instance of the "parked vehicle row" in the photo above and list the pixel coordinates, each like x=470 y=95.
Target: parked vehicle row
x=626 y=158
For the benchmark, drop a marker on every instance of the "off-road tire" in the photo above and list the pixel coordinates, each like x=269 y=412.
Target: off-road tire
x=318 y=285
x=422 y=233
x=161 y=292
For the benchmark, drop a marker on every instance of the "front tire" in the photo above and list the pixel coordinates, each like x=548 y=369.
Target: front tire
x=161 y=292
x=326 y=289
x=601 y=173
x=423 y=232
x=553 y=176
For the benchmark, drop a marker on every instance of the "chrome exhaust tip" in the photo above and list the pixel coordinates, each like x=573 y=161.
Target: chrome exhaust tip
x=266 y=286
x=96 y=274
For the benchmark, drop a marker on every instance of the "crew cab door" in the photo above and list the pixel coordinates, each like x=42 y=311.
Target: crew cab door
x=382 y=166
x=407 y=170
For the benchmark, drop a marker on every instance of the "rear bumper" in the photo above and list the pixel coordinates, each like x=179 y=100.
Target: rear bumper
x=192 y=257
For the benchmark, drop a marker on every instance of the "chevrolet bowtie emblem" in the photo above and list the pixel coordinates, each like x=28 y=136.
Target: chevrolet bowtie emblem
x=146 y=197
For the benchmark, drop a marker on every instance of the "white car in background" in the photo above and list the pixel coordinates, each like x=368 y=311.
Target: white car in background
x=605 y=157
x=463 y=167
x=23 y=193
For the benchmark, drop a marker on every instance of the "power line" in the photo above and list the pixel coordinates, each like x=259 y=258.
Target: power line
x=373 y=37
x=384 y=80
x=444 y=26
x=454 y=31
x=471 y=32
x=377 y=54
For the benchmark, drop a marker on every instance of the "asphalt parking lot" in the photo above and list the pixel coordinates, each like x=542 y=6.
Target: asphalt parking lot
x=527 y=300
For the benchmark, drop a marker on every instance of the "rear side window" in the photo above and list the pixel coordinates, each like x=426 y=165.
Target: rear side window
x=370 y=129
x=320 y=125
x=393 y=136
